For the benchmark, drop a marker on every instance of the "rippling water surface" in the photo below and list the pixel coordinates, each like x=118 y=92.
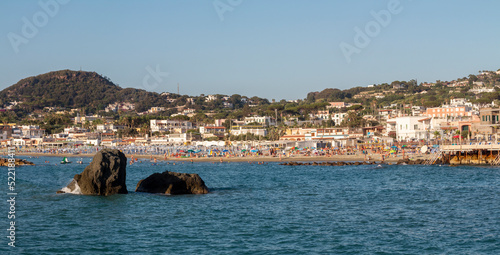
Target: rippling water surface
x=264 y=209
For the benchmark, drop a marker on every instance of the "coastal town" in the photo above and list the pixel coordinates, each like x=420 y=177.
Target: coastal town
x=468 y=114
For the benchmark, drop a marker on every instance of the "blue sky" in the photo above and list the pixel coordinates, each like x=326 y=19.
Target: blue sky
x=276 y=49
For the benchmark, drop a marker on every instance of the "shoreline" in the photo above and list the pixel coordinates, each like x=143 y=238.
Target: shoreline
x=333 y=158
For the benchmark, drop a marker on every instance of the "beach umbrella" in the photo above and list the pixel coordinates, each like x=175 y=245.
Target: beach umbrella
x=392 y=151
x=243 y=150
x=225 y=151
x=404 y=146
x=458 y=136
x=254 y=151
x=190 y=151
x=395 y=147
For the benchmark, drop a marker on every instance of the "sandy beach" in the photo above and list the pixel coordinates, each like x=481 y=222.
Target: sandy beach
x=333 y=158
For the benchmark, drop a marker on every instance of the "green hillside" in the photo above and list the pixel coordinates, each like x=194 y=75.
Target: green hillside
x=74 y=89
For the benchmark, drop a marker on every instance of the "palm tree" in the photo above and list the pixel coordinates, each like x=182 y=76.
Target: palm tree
x=436 y=134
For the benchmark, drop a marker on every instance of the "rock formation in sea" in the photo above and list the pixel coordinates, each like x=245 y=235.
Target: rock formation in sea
x=106 y=175
x=19 y=162
x=172 y=183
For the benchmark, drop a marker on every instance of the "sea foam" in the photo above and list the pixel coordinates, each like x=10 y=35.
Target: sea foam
x=76 y=189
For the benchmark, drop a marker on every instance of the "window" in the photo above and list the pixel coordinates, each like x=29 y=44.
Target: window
x=415 y=127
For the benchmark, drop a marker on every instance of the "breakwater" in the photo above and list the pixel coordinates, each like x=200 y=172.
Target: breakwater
x=346 y=163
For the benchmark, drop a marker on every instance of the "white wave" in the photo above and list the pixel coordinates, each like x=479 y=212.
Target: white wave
x=76 y=191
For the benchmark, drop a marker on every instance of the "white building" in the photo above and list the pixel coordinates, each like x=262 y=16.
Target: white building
x=265 y=121
x=478 y=90
x=178 y=138
x=188 y=111
x=338 y=117
x=457 y=101
x=410 y=128
x=210 y=98
x=32 y=132
x=103 y=128
x=321 y=115
x=94 y=142
x=115 y=107
x=172 y=126
x=243 y=131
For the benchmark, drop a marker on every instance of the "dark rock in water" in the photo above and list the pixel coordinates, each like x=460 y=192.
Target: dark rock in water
x=403 y=162
x=106 y=175
x=18 y=162
x=172 y=183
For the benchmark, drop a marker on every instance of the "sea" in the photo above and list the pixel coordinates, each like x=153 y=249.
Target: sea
x=259 y=209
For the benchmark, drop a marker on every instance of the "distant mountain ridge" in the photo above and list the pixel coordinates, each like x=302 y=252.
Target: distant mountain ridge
x=74 y=89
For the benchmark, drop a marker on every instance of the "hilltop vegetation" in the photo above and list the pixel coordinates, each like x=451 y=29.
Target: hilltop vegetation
x=423 y=94
x=74 y=89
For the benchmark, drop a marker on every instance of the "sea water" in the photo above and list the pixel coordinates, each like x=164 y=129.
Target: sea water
x=262 y=209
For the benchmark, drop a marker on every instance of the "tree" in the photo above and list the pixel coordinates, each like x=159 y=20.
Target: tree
x=355 y=108
x=436 y=134
x=353 y=120
x=227 y=124
x=180 y=117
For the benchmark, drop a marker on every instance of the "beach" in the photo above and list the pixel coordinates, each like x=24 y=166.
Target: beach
x=299 y=158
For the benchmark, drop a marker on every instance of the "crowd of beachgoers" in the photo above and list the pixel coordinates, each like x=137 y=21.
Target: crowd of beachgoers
x=378 y=152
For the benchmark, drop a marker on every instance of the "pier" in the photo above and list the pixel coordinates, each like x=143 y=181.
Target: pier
x=470 y=154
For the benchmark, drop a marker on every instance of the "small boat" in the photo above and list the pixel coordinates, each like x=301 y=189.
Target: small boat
x=65 y=161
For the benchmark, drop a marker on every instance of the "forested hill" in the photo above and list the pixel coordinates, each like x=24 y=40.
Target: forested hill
x=74 y=89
